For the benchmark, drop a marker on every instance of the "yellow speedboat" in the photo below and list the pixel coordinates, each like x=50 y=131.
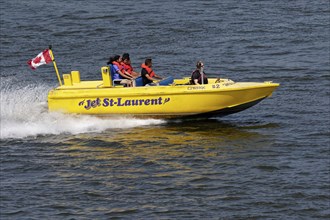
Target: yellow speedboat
x=172 y=98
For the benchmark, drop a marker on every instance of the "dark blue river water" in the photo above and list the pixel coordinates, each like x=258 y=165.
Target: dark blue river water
x=271 y=161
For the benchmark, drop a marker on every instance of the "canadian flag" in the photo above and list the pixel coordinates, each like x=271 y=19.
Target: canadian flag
x=41 y=59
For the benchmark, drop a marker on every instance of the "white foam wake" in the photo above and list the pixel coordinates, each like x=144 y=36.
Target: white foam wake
x=24 y=114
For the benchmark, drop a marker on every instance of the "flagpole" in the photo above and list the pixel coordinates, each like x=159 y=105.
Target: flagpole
x=55 y=66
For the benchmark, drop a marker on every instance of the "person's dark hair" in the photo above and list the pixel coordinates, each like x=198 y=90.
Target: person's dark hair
x=148 y=61
x=113 y=58
x=126 y=56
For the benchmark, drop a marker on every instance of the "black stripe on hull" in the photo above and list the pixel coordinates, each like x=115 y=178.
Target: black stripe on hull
x=228 y=111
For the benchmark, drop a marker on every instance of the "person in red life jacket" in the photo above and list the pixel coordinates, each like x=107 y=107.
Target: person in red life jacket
x=198 y=76
x=148 y=75
x=118 y=73
x=126 y=62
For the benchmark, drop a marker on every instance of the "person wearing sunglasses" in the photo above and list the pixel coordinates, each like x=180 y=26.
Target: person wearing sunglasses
x=198 y=76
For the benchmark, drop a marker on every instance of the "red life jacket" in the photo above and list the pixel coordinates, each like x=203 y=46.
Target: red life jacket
x=127 y=67
x=151 y=73
x=121 y=68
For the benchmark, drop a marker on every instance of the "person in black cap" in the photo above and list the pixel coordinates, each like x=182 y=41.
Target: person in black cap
x=198 y=76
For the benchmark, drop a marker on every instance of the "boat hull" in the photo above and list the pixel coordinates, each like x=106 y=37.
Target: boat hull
x=214 y=99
